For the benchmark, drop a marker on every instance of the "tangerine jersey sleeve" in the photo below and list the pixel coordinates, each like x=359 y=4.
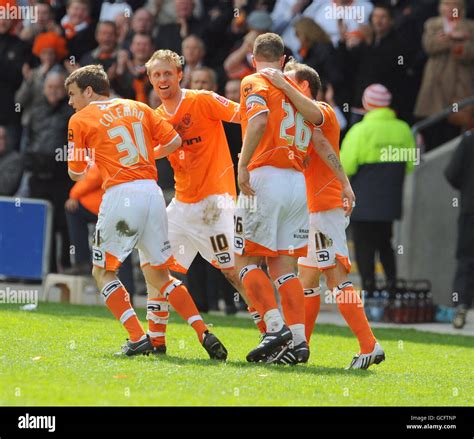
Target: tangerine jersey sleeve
x=163 y=131
x=329 y=117
x=77 y=150
x=253 y=92
x=218 y=107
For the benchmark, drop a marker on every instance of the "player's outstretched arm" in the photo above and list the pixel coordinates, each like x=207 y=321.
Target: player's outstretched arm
x=254 y=133
x=307 y=107
x=162 y=151
x=324 y=149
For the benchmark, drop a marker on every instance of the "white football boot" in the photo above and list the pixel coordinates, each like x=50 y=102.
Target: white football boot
x=363 y=361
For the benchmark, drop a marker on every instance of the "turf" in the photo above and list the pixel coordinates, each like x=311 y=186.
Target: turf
x=63 y=355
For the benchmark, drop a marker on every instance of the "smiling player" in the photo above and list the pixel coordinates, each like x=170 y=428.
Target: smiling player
x=120 y=135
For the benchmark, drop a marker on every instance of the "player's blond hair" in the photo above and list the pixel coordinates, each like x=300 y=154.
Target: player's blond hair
x=93 y=76
x=304 y=72
x=268 y=47
x=165 y=55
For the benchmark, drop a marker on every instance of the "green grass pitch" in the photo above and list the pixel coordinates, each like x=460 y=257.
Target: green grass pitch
x=63 y=355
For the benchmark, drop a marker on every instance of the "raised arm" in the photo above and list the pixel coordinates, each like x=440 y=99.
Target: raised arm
x=307 y=107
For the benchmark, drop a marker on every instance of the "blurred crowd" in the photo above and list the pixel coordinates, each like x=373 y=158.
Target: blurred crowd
x=422 y=51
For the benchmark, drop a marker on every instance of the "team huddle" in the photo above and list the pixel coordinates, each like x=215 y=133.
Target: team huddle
x=290 y=215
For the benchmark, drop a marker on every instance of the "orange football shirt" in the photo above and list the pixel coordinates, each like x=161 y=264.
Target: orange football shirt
x=323 y=189
x=286 y=139
x=203 y=165
x=119 y=136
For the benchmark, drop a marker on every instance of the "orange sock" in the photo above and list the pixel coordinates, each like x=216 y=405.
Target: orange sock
x=180 y=299
x=351 y=307
x=312 y=304
x=157 y=316
x=258 y=288
x=292 y=305
x=118 y=301
x=257 y=319
x=292 y=298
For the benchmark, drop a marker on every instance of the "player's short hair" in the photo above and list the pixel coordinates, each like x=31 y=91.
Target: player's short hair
x=304 y=72
x=93 y=76
x=268 y=47
x=165 y=55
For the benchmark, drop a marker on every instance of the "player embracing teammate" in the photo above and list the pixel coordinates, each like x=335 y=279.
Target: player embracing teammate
x=120 y=136
x=289 y=162
x=327 y=246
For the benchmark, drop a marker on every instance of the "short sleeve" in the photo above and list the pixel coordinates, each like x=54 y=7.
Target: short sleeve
x=329 y=116
x=163 y=131
x=77 y=151
x=253 y=101
x=218 y=107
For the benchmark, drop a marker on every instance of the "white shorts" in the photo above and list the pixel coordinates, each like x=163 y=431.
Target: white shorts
x=275 y=220
x=327 y=240
x=206 y=227
x=132 y=215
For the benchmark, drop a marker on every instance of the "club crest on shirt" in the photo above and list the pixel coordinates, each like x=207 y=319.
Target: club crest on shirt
x=185 y=123
x=247 y=89
x=70 y=135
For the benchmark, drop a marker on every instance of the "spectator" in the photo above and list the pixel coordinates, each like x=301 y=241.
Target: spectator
x=163 y=11
x=170 y=36
x=449 y=73
x=78 y=29
x=44 y=23
x=106 y=52
x=239 y=63
x=193 y=51
x=11 y=166
x=375 y=153
x=46 y=158
x=350 y=16
x=317 y=51
x=123 y=28
x=50 y=48
x=204 y=78
x=82 y=208
x=283 y=16
x=13 y=53
x=130 y=80
x=141 y=23
x=374 y=61
x=219 y=37
x=460 y=174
